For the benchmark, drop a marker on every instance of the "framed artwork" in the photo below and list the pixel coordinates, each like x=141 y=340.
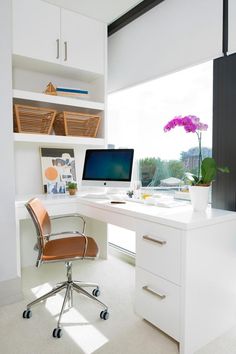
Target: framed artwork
x=58 y=169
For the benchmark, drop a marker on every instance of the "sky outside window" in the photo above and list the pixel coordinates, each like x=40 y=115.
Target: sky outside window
x=137 y=115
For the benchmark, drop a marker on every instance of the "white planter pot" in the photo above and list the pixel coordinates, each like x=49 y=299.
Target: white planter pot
x=199 y=196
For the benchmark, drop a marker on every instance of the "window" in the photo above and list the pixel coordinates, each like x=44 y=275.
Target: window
x=137 y=115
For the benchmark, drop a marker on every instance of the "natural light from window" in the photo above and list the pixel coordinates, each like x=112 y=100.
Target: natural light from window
x=74 y=323
x=137 y=116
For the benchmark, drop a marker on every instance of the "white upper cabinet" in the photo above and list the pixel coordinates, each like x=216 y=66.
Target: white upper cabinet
x=46 y=32
x=36 y=30
x=83 y=41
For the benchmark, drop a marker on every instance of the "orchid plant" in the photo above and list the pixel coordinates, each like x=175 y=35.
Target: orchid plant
x=206 y=168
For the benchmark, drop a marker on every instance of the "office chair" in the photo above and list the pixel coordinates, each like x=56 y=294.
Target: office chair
x=73 y=247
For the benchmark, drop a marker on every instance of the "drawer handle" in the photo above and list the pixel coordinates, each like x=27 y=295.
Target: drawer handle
x=153 y=292
x=58 y=49
x=65 y=44
x=160 y=242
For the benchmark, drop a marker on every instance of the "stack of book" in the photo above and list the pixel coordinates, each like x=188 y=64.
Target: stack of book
x=72 y=92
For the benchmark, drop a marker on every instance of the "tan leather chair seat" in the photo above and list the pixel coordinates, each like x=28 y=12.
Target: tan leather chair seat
x=69 y=247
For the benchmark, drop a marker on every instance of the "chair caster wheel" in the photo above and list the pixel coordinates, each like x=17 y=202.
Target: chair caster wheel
x=27 y=314
x=96 y=292
x=104 y=315
x=57 y=332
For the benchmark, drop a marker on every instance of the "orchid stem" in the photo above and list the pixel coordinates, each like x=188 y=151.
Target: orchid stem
x=199 y=136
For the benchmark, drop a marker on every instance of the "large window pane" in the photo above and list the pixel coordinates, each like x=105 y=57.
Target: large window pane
x=121 y=237
x=136 y=117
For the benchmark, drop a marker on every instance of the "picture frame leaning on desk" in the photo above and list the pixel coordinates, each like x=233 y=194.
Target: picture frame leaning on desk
x=58 y=169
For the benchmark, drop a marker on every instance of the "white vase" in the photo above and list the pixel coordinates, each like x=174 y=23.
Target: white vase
x=199 y=196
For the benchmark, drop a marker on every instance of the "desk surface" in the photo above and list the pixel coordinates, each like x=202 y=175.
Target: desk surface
x=180 y=217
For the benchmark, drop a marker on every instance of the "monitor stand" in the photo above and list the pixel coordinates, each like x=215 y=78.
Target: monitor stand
x=106 y=193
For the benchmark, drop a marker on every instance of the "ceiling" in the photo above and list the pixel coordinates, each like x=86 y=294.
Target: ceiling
x=103 y=10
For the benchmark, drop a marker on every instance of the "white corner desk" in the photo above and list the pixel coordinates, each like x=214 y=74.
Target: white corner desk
x=185 y=263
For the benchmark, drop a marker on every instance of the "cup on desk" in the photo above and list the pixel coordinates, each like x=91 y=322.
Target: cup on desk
x=136 y=187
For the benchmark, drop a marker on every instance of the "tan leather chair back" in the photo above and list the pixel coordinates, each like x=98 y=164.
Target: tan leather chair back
x=40 y=218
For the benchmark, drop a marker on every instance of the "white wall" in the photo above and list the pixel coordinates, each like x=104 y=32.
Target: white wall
x=9 y=280
x=28 y=176
x=173 y=35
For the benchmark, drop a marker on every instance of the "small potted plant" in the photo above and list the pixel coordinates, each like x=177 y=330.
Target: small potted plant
x=72 y=188
x=200 y=185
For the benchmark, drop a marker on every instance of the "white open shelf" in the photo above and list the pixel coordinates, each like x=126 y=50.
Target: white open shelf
x=57 y=100
x=58 y=69
x=60 y=103
x=57 y=139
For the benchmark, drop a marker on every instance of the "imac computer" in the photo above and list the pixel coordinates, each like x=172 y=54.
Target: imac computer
x=108 y=168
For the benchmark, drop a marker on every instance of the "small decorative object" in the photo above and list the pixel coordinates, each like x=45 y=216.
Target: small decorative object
x=50 y=89
x=130 y=193
x=72 y=188
x=56 y=188
x=145 y=196
x=200 y=183
x=72 y=92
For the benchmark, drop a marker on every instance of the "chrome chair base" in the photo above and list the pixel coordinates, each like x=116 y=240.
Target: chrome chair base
x=69 y=285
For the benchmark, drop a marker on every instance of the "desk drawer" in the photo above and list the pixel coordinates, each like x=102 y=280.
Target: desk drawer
x=158 y=301
x=159 y=251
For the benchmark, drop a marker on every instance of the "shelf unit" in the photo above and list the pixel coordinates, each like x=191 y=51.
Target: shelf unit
x=57 y=140
x=59 y=102
x=35 y=64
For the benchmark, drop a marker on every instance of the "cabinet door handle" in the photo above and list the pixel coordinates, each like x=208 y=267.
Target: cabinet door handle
x=159 y=241
x=65 y=44
x=58 y=49
x=153 y=292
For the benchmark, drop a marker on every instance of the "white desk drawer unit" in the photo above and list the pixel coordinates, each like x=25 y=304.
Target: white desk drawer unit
x=158 y=301
x=158 y=250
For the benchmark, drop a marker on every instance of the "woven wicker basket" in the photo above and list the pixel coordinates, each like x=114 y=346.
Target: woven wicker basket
x=33 y=120
x=76 y=124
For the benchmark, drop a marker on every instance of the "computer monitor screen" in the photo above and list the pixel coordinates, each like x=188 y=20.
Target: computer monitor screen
x=108 y=167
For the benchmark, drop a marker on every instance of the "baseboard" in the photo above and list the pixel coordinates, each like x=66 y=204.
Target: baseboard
x=119 y=253
x=10 y=291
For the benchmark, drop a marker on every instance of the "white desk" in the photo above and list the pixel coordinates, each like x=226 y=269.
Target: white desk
x=185 y=264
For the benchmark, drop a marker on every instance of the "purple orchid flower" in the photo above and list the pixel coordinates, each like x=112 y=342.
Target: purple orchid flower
x=191 y=124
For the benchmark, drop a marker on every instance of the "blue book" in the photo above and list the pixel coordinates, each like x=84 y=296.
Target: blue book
x=71 y=90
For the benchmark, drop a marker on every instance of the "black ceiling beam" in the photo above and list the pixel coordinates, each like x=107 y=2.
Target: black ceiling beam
x=132 y=14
